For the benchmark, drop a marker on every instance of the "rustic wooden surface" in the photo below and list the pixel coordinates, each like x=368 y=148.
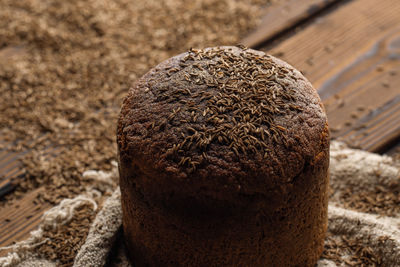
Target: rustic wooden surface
x=351 y=55
x=283 y=16
x=18 y=221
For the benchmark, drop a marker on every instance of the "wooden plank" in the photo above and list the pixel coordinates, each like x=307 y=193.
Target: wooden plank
x=352 y=57
x=17 y=221
x=282 y=16
x=371 y=82
x=376 y=130
x=10 y=169
x=345 y=62
x=9 y=160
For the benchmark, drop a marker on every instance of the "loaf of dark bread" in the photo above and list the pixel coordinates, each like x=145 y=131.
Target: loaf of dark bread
x=223 y=161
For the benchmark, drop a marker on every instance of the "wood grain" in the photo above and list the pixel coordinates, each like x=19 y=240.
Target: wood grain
x=352 y=57
x=282 y=16
x=17 y=221
x=10 y=168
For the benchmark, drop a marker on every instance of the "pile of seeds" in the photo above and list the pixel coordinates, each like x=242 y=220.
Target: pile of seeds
x=64 y=242
x=379 y=200
x=243 y=92
x=70 y=63
x=351 y=252
x=65 y=67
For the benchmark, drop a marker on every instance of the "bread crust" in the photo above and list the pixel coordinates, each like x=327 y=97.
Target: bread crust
x=232 y=209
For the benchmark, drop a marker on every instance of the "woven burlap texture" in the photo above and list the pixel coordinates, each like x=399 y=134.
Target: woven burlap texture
x=348 y=168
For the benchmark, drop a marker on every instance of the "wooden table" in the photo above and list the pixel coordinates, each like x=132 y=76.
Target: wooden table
x=349 y=50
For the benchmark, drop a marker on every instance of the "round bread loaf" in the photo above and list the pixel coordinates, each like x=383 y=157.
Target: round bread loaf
x=223 y=161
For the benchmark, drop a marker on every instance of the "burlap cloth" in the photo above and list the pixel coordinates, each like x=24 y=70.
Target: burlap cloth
x=357 y=169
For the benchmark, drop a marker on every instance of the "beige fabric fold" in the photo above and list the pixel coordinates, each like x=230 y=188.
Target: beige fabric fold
x=349 y=168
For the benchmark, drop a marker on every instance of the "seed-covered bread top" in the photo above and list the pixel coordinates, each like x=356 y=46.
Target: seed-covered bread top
x=230 y=116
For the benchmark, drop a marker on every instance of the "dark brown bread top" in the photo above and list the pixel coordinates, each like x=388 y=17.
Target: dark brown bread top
x=227 y=118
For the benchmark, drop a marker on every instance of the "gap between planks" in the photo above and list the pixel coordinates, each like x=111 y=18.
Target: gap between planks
x=284 y=16
x=352 y=57
x=17 y=221
x=335 y=42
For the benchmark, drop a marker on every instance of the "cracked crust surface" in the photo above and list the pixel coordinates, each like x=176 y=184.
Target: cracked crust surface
x=147 y=146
